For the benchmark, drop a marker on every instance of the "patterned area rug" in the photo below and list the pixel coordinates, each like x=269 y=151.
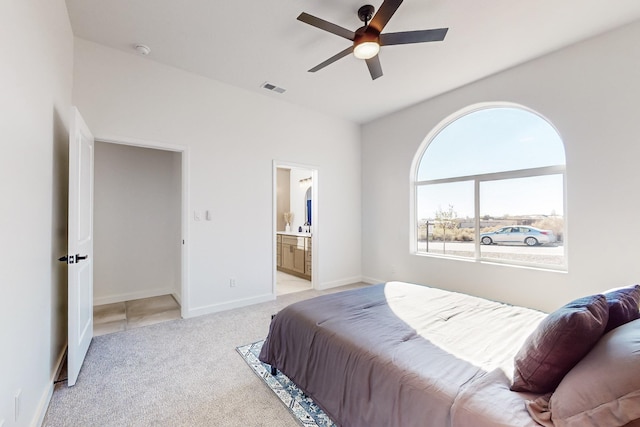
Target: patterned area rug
x=302 y=407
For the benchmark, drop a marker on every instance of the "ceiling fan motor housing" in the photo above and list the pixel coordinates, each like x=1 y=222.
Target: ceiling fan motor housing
x=368 y=38
x=366 y=34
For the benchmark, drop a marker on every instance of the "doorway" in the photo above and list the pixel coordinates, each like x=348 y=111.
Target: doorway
x=295 y=227
x=138 y=224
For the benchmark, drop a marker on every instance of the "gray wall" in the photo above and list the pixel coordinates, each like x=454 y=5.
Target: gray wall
x=231 y=138
x=36 y=77
x=590 y=92
x=283 y=196
x=137 y=223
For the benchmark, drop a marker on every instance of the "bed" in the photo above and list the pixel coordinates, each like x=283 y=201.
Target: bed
x=400 y=354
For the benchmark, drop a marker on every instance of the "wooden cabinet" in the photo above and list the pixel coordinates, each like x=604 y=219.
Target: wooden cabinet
x=288 y=252
x=279 y=251
x=307 y=257
x=298 y=260
x=294 y=255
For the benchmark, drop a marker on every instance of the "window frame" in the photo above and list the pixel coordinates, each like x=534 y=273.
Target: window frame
x=477 y=179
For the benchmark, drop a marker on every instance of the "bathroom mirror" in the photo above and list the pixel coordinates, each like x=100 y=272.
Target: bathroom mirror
x=308 y=206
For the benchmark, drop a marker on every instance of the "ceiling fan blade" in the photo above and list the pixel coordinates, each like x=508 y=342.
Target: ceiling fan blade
x=384 y=14
x=375 y=69
x=326 y=26
x=333 y=59
x=407 y=37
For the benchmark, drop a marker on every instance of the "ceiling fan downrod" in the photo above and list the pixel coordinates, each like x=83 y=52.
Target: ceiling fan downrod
x=365 y=13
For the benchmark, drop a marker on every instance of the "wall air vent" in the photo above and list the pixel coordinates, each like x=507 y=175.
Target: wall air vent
x=273 y=88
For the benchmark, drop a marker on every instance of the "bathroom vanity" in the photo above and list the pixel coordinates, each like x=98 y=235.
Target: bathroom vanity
x=294 y=253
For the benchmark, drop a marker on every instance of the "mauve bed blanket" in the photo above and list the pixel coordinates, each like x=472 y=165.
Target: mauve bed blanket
x=399 y=354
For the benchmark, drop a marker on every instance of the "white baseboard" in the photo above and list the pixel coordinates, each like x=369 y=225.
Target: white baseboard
x=177 y=297
x=214 y=308
x=341 y=282
x=61 y=358
x=43 y=406
x=45 y=400
x=110 y=299
x=372 y=281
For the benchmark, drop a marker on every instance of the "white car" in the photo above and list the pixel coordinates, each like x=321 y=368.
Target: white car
x=527 y=235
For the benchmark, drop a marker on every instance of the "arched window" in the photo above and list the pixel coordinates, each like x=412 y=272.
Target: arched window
x=488 y=184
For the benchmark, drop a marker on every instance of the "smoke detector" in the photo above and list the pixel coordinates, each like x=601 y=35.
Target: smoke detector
x=142 y=49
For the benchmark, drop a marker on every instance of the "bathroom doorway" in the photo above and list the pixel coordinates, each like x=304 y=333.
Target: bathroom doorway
x=294 y=227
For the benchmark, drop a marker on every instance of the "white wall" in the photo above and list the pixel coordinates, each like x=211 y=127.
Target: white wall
x=36 y=68
x=590 y=92
x=232 y=137
x=137 y=224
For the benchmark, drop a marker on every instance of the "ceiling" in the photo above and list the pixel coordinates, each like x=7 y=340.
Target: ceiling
x=247 y=43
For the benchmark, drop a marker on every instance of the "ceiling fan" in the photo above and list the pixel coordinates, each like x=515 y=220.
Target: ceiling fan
x=368 y=38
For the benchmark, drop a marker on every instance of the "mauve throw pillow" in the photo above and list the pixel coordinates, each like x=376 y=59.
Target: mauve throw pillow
x=623 y=306
x=603 y=389
x=558 y=343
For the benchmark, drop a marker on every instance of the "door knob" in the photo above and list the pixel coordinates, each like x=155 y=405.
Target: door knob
x=73 y=259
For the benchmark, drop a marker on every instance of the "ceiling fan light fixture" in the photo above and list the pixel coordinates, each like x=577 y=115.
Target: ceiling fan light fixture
x=366 y=50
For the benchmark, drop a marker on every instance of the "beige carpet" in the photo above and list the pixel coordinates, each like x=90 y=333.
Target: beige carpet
x=179 y=373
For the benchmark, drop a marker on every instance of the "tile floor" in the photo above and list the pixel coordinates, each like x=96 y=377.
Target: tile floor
x=121 y=316
x=287 y=283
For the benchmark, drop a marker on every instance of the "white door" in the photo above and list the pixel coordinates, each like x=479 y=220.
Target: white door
x=80 y=246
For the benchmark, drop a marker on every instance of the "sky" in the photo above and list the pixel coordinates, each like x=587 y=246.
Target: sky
x=493 y=140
